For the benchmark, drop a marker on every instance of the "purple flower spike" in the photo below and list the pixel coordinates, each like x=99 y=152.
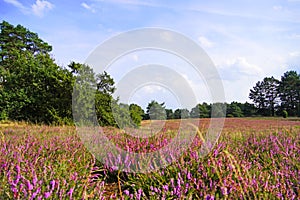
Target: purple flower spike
x=47 y=195
x=189 y=176
x=29 y=185
x=70 y=193
x=52 y=183
x=208 y=197
x=126 y=192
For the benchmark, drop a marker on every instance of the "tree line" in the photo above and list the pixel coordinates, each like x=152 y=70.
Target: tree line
x=157 y=110
x=34 y=88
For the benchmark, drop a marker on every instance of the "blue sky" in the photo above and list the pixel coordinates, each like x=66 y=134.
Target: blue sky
x=246 y=40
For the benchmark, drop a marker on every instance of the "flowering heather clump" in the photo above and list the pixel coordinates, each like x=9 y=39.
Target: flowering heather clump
x=253 y=159
x=45 y=163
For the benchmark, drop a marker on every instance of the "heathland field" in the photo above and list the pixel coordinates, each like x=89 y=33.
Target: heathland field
x=253 y=159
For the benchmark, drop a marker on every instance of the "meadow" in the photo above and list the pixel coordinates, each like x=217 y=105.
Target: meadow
x=253 y=159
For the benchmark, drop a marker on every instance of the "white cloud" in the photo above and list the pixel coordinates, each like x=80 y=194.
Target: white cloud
x=38 y=8
x=88 y=7
x=205 y=42
x=41 y=6
x=236 y=68
x=150 y=89
x=17 y=4
x=245 y=67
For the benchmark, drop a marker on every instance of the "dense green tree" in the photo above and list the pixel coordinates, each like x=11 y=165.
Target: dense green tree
x=289 y=92
x=17 y=39
x=200 y=111
x=234 y=110
x=121 y=115
x=181 y=113
x=94 y=93
x=265 y=95
x=177 y=114
x=33 y=87
x=195 y=112
x=170 y=114
x=136 y=114
x=156 y=110
x=248 y=109
x=218 y=109
x=184 y=113
x=84 y=92
x=105 y=104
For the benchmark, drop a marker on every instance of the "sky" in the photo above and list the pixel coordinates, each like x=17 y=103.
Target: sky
x=246 y=40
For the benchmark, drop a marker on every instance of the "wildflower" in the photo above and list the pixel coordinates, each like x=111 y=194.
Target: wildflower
x=29 y=185
x=224 y=190
x=166 y=188
x=189 y=176
x=34 y=180
x=126 y=192
x=139 y=194
x=208 y=197
x=178 y=181
x=74 y=176
x=186 y=188
x=47 y=195
x=70 y=193
x=52 y=183
x=172 y=182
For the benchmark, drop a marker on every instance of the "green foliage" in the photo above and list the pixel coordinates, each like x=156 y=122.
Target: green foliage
x=200 y=111
x=3 y=115
x=289 y=89
x=248 y=109
x=16 y=39
x=272 y=96
x=177 y=114
x=32 y=87
x=181 y=114
x=234 y=110
x=104 y=103
x=218 y=110
x=121 y=115
x=108 y=112
x=284 y=114
x=136 y=114
x=156 y=111
x=84 y=94
x=185 y=113
x=169 y=113
x=265 y=95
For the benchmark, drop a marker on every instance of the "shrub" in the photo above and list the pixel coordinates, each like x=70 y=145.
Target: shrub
x=284 y=114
